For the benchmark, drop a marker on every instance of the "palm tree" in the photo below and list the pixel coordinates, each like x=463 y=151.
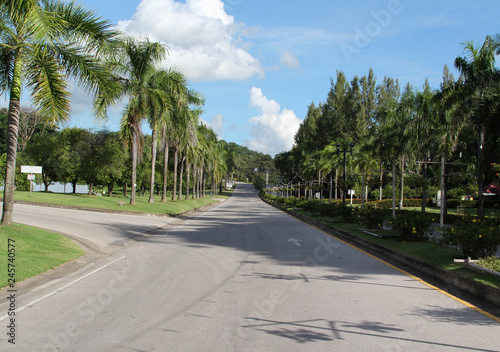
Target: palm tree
x=174 y=85
x=207 y=141
x=135 y=66
x=183 y=131
x=330 y=160
x=42 y=44
x=476 y=88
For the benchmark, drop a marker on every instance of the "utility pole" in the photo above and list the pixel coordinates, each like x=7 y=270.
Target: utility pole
x=443 y=179
x=338 y=145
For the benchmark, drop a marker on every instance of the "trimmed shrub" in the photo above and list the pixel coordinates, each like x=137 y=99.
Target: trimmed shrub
x=413 y=226
x=327 y=209
x=373 y=218
x=349 y=214
x=308 y=205
x=492 y=263
x=477 y=238
x=292 y=202
x=387 y=203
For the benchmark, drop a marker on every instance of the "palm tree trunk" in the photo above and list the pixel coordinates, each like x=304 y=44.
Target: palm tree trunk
x=331 y=188
x=153 y=166
x=198 y=186
x=363 y=194
x=165 y=173
x=336 y=183
x=181 y=174
x=10 y=166
x=204 y=181
x=424 y=188
x=401 y=194
x=381 y=180
x=187 y=180
x=176 y=160
x=134 y=165
x=480 y=158
x=393 y=190
x=195 y=182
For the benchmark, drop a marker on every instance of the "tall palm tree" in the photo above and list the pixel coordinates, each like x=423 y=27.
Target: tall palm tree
x=476 y=88
x=207 y=140
x=135 y=64
x=174 y=85
x=42 y=43
x=183 y=133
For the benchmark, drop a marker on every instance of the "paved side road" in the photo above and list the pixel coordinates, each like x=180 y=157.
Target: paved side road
x=243 y=277
x=105 y=230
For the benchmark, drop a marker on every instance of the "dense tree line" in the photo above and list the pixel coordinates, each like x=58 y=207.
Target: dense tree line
x=392 y=126
x=101 y=159
x=45 y=43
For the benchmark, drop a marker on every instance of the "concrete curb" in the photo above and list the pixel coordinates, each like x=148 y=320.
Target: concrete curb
x=454 y=281
x=125 y=212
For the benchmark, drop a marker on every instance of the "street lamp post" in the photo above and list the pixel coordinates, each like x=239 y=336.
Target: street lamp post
x=296 y=173
x=351 y=147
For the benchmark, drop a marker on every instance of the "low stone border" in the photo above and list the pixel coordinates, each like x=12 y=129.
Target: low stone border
x=481 y=269
x=487 y=294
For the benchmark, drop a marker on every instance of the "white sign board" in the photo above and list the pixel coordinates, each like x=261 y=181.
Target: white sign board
x=31 y=177
x=25 y=169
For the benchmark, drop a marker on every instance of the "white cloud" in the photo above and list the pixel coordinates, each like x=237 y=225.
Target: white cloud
x=216 y=123
x=273 y=130
x=290 y=60
x=203 y=40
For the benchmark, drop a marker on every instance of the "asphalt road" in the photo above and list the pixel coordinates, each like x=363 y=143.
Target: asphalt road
x=240 y=277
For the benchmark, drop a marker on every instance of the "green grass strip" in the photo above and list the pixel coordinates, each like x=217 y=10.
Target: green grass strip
x=36 y=251
x=113 y=203
x=431 y=252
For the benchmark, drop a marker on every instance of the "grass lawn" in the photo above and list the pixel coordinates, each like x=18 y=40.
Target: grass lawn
x=113 y=203
x=36 y=251
x=493 y=213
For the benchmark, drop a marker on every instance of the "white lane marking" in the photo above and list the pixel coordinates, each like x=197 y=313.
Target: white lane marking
x=296 y=241
x=60 y=289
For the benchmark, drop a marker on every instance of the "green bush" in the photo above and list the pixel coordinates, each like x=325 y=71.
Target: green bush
x=291 y=201
x=373 y=218
x=413 y=226
x=492 y=263
x=327 y=209
x=349 y=214
x=308 y=205
x=477 y=238
x=454 y=203
x=387 y=203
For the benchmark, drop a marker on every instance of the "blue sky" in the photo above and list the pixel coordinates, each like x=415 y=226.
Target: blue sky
x=260 y=64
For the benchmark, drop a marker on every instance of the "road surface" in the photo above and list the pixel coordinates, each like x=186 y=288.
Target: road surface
x=240 y=277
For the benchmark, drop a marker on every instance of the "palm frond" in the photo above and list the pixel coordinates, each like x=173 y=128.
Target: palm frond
x=48 y=84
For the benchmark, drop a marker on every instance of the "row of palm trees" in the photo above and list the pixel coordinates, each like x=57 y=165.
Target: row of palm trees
x=420 y=125
x=43 y=44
